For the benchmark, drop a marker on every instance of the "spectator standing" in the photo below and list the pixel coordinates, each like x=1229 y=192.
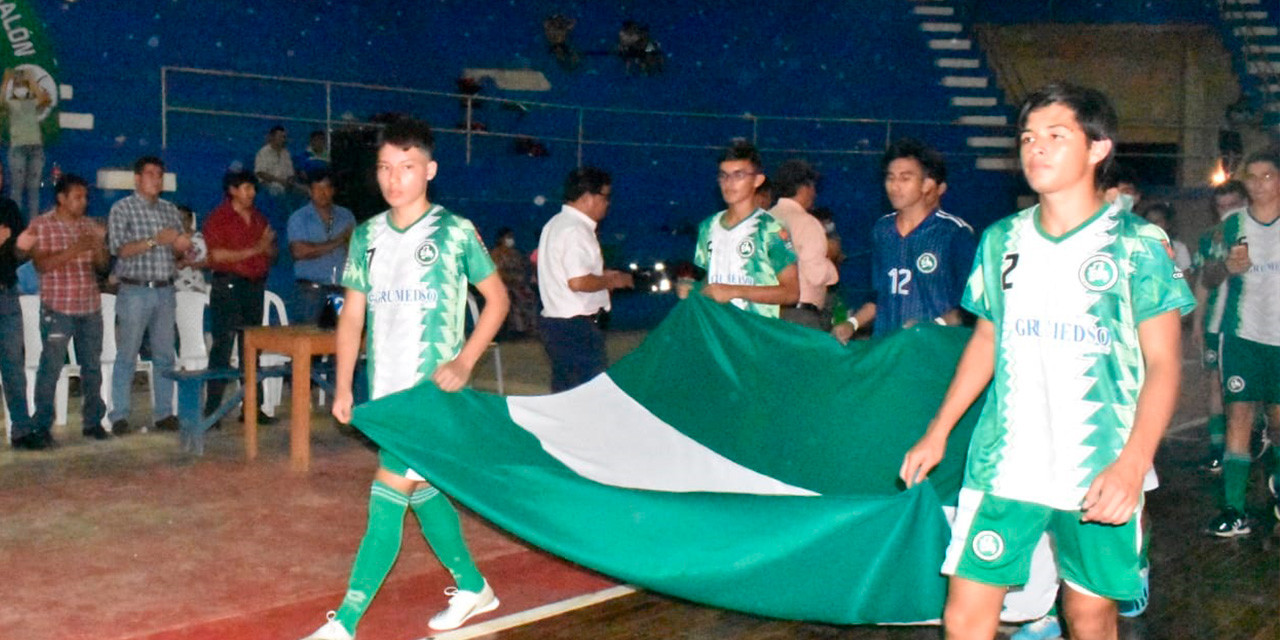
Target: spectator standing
x=69 y=251
x=193 y=262
x=242 y=247
x=920 y=254
x=24 y=98
x=513 y=268
x=13 y=357
x=318 y=236
x=273 y=166
x=573 y=283
x=797 y=184
x=146 y=236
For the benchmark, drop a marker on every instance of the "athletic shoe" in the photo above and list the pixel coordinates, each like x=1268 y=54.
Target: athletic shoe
x=332 y=630
x=1229 y=524
x=462 y=606
x=1212 y=464
x=1135 y=608
x=1046 y=628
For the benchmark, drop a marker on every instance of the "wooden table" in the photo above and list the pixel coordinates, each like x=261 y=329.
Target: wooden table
x=299 y=342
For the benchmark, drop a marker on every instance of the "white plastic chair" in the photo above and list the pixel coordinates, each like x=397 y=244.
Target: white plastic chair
x=109 y=356
x=474 y=308
x=273 y=388
x=193 y=351
x=34 y=345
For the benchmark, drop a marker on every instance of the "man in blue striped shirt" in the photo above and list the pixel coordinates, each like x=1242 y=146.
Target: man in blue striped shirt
x=920 y=254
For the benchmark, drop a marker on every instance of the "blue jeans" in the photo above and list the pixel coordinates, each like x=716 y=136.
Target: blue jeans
x=13 y=362
x=139 y=310
x=57 y=329
x=575 y=347
x=26 y=166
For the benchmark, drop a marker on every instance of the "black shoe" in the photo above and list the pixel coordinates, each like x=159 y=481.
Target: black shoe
x=120 y=427
x=263 y=419
x=96 y=432
x=1229 y=524
x=34 y=441
x=168 y=423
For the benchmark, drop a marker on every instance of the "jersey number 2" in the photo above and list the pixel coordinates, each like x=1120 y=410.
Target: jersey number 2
x=898 y=281
x=1011 y=261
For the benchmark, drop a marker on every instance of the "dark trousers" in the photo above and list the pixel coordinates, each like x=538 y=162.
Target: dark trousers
x=576 y=349
x=13 y=362
x=57 y=330
x=234 y=303
x=807 y=315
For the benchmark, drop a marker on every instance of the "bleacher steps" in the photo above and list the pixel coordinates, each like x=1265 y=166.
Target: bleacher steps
x=951 y=44
x=974 y=101
x=966 y=82
x=926 y=10
x=997 y=121
x=941 y=27
x=996 y=163
x=959 y=63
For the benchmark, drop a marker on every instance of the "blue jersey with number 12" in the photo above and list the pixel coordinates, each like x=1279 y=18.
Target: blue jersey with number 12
x=921 y=276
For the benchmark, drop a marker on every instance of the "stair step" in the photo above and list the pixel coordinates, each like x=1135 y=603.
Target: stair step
x=1263 y=48
x=983 y=120
x=966 y=82
x=959 y=63
x=1255 y=30
x=974 y=101
x=997 y=164
x=992 y=142
x=951 y=44
x=1263 y=67
x=927 y=10
x=1244 y=15
x=941 y=27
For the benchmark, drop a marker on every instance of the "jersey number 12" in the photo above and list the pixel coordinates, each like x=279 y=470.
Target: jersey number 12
x=898 y=281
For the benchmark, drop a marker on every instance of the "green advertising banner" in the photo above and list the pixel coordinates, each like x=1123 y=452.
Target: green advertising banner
x=30 y=67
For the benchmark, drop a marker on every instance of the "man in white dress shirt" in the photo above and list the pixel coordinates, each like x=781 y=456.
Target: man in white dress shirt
x=574 y=285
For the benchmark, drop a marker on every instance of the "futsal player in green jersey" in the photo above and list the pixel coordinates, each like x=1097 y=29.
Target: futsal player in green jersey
x=746 y=252
x=406 y=278
x=1078 y=333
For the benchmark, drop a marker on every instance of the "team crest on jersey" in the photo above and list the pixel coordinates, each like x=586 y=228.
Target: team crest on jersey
x=427 y=253
x=927 y=262
x=1235 y=384
x=746 y=248
x=1099 y=273
x=988 y=545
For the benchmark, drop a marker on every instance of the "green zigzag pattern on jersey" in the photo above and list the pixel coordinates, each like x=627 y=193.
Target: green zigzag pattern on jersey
x=441 y=338
x=1125 y=369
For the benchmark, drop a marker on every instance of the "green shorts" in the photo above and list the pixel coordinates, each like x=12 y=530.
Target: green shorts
x=1211 y=354
x=993 y=538
x=391 y=462
x=1250 y=371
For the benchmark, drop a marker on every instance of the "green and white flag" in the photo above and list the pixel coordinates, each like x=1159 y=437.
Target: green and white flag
x=731 y=460
x=27 y=49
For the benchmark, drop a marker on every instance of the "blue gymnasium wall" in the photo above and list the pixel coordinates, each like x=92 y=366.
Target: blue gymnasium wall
x=859 y=60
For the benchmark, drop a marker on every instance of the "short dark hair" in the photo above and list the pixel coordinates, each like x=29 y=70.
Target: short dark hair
x=1120 y=174
x=1163 y=207
x=1093 y=111
x=584 y=180
x=1230 y=187
x=186 y=211
x=141 y=163
x=233 y=179
x=793 y=174
x=740 y=149
x=406 y=132
x=66 y=182
x=318 y=133
x=932 y=162
x=276 y=128
x=1271 y=155
x=319 y=175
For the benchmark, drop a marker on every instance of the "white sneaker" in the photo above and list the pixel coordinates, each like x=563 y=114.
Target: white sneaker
x=462 y=606
x=332 y=630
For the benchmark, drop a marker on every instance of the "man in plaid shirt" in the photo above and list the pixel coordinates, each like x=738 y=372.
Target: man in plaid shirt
x=69 y=250
x=147 y=236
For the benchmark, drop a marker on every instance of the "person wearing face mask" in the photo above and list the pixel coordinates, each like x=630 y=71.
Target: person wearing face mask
x=513 y=268
x=24 y=100
x=1121 y=186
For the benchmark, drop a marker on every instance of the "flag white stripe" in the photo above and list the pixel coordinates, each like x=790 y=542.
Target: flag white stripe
x=604 y=435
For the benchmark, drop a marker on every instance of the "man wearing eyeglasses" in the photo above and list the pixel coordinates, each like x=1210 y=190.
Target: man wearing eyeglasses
x=746 y=252
x=1251 y=336
x=573 y=283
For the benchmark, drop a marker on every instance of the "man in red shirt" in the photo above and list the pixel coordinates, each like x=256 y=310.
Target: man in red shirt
x=242 y=247
x=69 y=251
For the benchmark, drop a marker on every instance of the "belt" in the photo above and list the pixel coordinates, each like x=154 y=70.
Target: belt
x=150 y=284
x=593 y=317
x=808 y=306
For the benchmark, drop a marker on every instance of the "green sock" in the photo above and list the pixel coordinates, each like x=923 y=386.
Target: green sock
x=1217 y=434
x=443 y=531
x=1235 y=478
x=377 y=554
